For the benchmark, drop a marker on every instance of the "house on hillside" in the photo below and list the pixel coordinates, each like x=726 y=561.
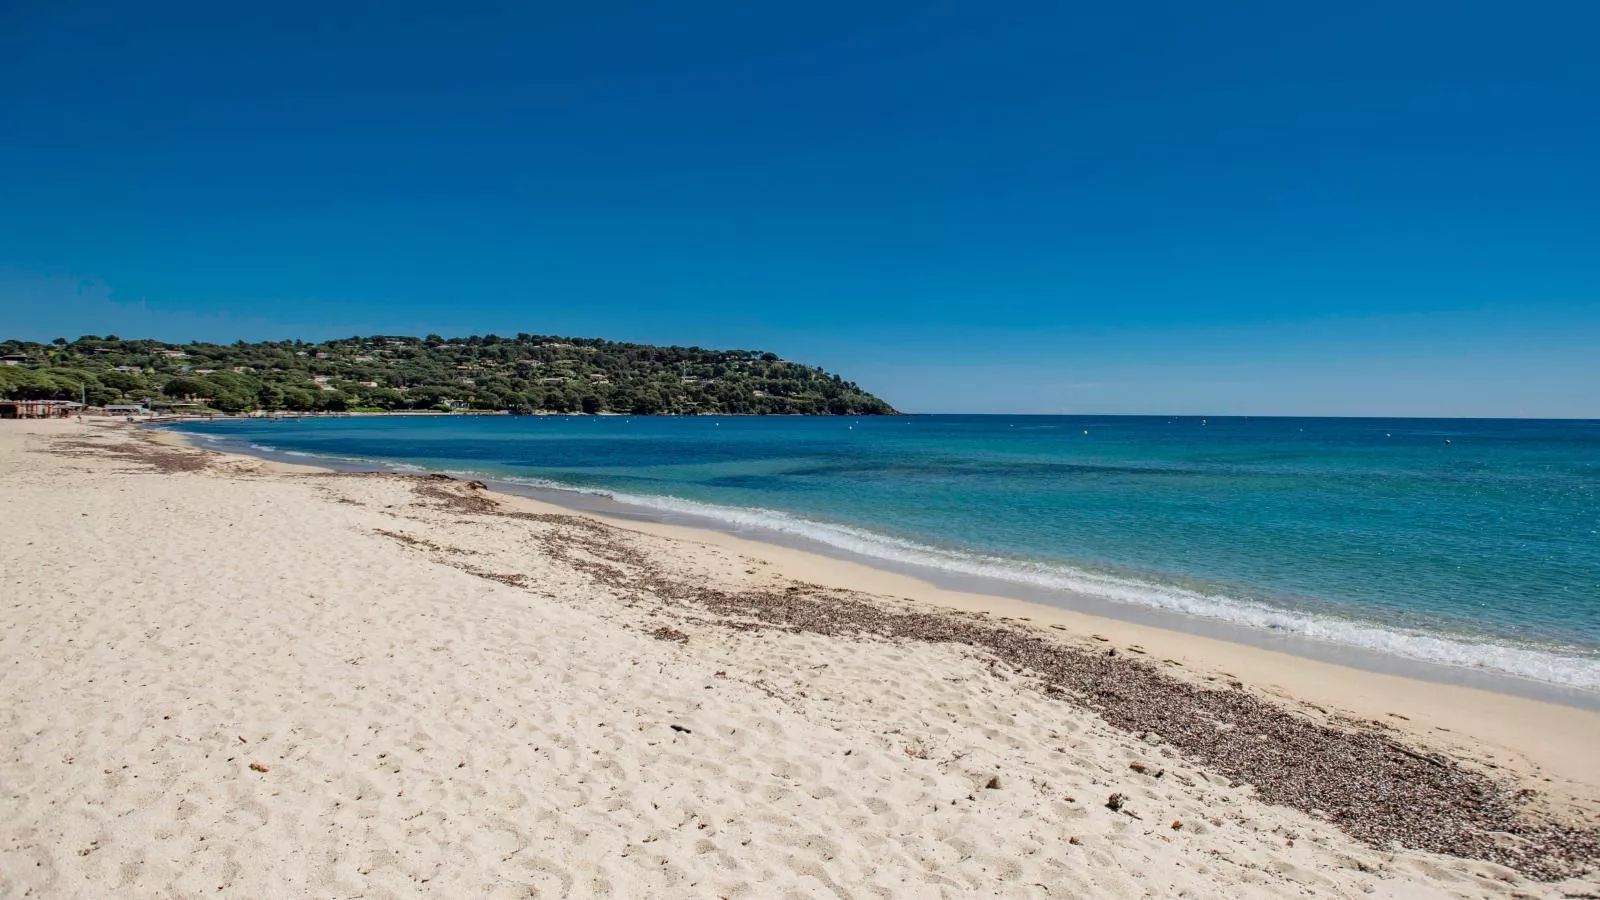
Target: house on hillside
x=13 y=359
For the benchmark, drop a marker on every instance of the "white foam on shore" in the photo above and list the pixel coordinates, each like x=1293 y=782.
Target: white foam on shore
x=1525 y=662
x=1573 y=671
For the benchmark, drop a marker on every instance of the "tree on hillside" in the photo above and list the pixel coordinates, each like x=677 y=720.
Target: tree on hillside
x=529 y=371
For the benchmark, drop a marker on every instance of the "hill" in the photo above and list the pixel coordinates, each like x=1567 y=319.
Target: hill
x=526 y=373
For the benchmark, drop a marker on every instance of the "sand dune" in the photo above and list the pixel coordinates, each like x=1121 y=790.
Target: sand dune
x=224 y=679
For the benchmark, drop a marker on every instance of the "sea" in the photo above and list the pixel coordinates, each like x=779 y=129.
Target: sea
x=1447 y=545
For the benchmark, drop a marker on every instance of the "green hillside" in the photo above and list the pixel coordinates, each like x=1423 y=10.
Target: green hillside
x=527 y=373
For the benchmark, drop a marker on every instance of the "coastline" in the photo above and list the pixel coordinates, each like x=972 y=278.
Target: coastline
x=960 y=582
x=443 y=598
x=1431 y=711
x=1501 y=663
x=993 y=587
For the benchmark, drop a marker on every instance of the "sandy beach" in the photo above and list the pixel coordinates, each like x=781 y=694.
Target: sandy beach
x=227 y=677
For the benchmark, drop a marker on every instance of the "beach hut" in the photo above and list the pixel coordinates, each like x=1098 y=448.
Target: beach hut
x=38 y=409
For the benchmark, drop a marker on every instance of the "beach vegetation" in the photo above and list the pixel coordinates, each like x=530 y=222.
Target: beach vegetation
x=527 y=373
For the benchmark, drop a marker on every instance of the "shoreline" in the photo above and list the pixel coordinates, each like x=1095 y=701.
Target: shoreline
x=1432 y=711
x=928 y=576
x=388 y=684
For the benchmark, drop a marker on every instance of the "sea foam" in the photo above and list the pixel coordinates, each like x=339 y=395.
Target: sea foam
x=1534 y=663
x=1573 y=670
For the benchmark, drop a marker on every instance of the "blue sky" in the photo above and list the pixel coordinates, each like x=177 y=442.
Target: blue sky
x=1257 y=208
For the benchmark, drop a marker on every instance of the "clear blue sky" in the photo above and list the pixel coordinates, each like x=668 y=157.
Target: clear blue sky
x=1337 y=208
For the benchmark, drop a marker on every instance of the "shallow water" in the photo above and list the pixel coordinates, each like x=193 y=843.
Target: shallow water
x=1465 y=542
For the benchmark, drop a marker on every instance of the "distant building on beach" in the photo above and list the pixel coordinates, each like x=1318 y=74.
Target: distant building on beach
x=38 y=409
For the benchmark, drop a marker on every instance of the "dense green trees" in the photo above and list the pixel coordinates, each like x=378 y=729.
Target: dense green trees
x=526 y=373
x=53 y=384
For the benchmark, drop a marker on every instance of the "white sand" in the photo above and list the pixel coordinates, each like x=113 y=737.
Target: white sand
x=425 y=731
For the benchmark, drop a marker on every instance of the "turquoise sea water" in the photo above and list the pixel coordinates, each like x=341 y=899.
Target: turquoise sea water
x=1465 y=542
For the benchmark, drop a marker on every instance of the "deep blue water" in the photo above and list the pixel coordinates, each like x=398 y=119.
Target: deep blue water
x=1471 y=542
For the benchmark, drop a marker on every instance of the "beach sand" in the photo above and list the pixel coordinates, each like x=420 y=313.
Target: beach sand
x=224 y=677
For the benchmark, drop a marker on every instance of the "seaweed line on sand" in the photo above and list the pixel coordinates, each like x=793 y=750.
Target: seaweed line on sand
x=1366 y=782
x=160 y=458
